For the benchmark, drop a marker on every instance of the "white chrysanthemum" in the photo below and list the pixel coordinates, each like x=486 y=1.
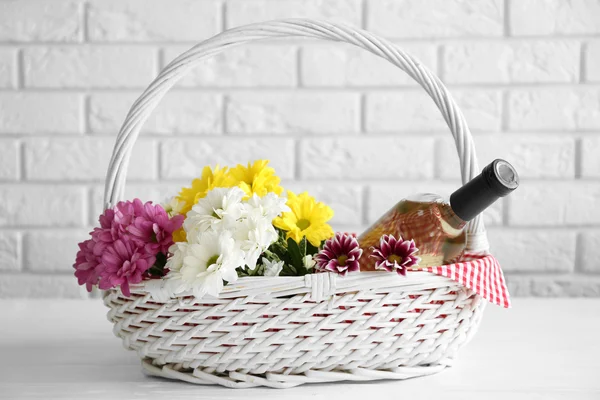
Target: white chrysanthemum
x=173 y=206
x=309 y=262
x=219 y=210
x=272 y=268
x=224 y=232
x=268 y=206
x=254 y=236
x=178 y=251
x=207 y=264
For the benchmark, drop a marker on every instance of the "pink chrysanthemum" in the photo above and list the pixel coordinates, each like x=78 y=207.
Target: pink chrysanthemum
x=86 y=265
x=124 y=263
x=126 y=211
x=143 y=230
x=395 y=254
x=153 y=227
x=340 y=254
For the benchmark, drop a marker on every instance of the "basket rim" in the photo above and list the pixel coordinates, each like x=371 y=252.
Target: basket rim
x=317 y=287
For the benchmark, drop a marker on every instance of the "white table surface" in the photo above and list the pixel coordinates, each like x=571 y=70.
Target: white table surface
x=539 y=349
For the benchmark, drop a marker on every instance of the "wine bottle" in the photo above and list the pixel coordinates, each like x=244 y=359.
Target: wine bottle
x=436 y=224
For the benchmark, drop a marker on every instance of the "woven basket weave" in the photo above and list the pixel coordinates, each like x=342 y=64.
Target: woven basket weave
x=285 y=331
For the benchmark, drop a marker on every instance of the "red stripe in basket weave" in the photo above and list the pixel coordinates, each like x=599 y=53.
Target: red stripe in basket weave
x=482 y=274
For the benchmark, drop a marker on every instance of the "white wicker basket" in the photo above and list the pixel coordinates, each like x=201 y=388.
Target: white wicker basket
x=286 y=331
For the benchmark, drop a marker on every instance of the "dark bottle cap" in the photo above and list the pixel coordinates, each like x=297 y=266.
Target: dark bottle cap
x=496 y=180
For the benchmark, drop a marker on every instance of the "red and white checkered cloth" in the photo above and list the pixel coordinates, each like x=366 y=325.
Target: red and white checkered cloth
x=481 y=273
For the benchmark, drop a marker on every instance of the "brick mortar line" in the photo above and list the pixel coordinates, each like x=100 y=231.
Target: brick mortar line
x=578 y=158
x=297 y=162
x=392 y=88
x=333 y=181
x=224 y=119
x=223 y=11
x=506 y=20
x=83 y=15
x=442 y=40
x=156 y=154
x=85 y=115
x=364 y=14
x=20 y=71
x=578 y=253
x=20 y=251
x=397 y=89
x=582 y=63
x=299 y=76
x=477 y=134
x=21 y=161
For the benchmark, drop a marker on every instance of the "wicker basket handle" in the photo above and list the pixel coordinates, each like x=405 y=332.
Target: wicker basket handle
x=145 y=104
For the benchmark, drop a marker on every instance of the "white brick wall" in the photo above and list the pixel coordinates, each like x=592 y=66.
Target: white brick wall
x=152 y=20
x=336 y=121
x=88 y=67
x=512 y=62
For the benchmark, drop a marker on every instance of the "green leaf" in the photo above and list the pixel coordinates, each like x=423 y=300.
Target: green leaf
x=294 y=253
x=161 y=260
x=302 y=247
x=259 y=270
x=155 y=272
x=271 y=256
x=282 y=235
x=241 y=272
x=158 y=269
x=278 y=249
x=288 y=270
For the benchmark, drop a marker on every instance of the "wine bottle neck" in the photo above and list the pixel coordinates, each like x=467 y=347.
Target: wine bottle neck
x=451 y=223
x=496 y=180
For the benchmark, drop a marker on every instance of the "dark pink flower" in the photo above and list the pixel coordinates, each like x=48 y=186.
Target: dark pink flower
x=143 y=231
x=106 y=219
x=154 y=229
x=124 y=263
x=86 y=265
x=126 y=211
x=340 y=254
x=109 y=230
x=395 y=254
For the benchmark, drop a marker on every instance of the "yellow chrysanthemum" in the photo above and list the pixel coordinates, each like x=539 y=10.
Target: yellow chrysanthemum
x=307 y=218
x=255 y=178
x=200 y=186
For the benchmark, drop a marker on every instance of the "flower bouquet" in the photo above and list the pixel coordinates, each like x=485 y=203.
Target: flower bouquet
x=230 y=223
